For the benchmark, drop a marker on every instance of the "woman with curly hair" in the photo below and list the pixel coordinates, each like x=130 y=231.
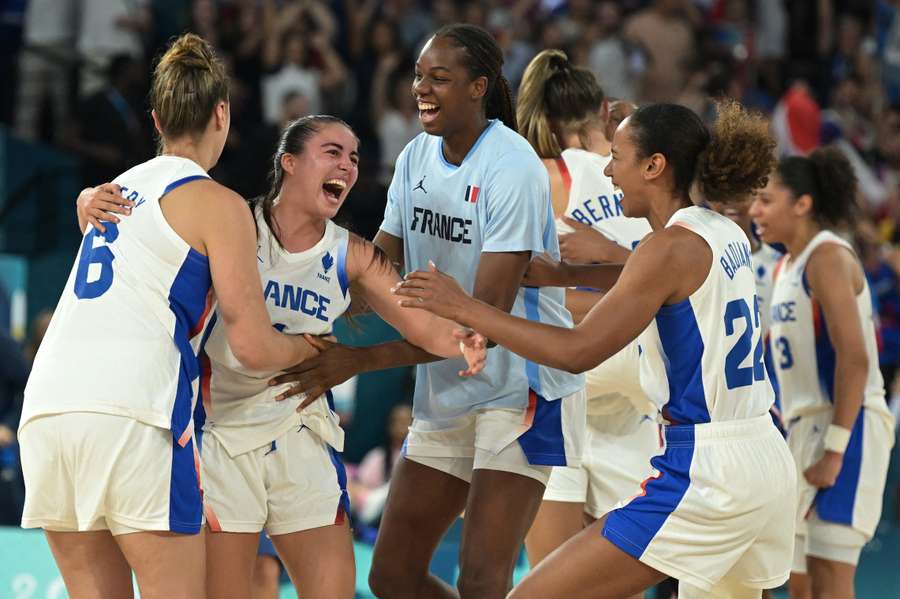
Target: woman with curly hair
x=708 y=514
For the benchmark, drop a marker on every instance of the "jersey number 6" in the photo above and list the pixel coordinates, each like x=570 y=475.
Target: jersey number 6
x=100 y=255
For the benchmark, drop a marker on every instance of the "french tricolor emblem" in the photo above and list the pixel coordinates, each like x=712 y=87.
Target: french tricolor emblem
x=472 y=193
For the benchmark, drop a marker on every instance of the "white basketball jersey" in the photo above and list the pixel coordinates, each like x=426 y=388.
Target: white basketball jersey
x=764 y=260
x=304 y=293
x=594 y=200
x=702 y=358
x=125 y=334
x=802 y=350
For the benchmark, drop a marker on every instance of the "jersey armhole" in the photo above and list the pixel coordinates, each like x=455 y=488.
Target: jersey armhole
x=343 y=278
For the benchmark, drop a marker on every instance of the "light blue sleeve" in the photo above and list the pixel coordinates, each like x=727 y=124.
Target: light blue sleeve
x=516 y=199
x=393 y=214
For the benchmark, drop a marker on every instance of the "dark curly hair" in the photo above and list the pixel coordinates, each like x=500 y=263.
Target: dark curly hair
x=728 y=162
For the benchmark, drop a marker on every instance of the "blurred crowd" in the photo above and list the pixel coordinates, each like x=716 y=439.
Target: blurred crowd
x=76 y=76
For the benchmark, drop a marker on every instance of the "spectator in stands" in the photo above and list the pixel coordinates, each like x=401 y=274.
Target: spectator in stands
x=13 y=375
x=108 y=134
x=393 y=113
x=109 y=28
x=44 y=66
x=370 y=481
x=666 y=30
x=295 y=74
x=615 y=63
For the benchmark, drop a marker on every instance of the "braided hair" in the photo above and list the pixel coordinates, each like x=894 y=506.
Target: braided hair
x=484 y=58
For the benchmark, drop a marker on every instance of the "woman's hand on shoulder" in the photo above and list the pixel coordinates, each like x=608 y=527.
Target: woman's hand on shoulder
x=96 y=205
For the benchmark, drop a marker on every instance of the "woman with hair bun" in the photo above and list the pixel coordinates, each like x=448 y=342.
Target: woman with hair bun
x=825 y=351
x=108 y=451
x=562 y=112
x=708 y=514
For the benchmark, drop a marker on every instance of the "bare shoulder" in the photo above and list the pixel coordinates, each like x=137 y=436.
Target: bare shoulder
x=831 y=260
x=673 y=246
x=832 y=255
x=671 y=262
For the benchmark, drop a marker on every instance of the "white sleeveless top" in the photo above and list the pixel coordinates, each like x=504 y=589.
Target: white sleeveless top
x=702 y=358
x=802 y=351
x=593 y=200
x=138 y=295
x=304 y=293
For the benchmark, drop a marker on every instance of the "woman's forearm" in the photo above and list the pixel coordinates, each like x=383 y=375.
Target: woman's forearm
x=552 y=346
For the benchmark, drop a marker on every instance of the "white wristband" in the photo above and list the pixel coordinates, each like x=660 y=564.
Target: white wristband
x=836 y=438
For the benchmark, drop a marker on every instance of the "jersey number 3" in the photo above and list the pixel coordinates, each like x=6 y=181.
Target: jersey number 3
x=100 y=255
x=735 y=374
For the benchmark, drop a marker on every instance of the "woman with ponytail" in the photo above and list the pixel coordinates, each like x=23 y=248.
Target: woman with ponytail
x=562 y=112
x=825 y=352
x=117 y=492
x=471 y=195
x=707 y=513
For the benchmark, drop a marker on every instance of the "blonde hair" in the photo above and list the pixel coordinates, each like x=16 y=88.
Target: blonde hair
x=554 y=88
x=188 y=81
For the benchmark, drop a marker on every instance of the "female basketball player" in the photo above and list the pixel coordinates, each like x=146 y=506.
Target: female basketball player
x=841 y=430
x=266 y=466
x=561 y=111
x=107 y=449
x=472 y=194
x=708 y=516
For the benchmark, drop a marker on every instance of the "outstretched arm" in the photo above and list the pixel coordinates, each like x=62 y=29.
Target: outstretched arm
x=659 y=272
x=370 y=269
x=497 y=282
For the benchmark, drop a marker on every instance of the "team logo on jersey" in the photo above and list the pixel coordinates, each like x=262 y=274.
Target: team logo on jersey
x=421 y=185
x=327 y=263
x=472 y=193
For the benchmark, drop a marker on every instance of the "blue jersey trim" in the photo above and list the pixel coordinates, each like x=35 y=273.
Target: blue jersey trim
x=544 y=443
x=474 y=147
x=338 y=464
x=187 y=301
x=266 y=547
x=185 y=502
x=632 y=527
x=826 y=361
x=343 y=279
x=182 y=181
x=835 y=504
x=533 y=370
x=682 y=353
x=199 y=409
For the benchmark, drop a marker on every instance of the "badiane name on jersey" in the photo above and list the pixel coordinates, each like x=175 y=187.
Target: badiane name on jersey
x=736 y=256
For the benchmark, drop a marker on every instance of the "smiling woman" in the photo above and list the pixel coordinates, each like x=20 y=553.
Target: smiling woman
x=472 y=194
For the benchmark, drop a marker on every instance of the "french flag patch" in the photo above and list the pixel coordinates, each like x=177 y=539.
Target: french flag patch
x=472 y=193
